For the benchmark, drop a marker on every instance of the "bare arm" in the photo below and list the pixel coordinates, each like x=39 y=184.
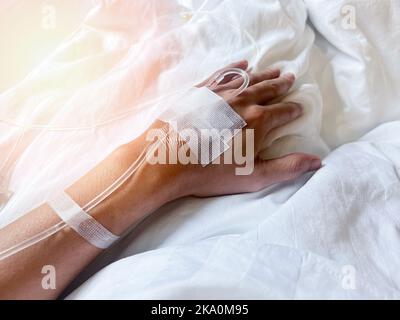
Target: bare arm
x=150 y=188
x=68 y=252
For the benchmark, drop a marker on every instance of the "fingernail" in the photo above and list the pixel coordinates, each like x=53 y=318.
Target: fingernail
x=315 y=165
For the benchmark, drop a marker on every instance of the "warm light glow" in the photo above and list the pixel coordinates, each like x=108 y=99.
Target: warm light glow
x=31 y=30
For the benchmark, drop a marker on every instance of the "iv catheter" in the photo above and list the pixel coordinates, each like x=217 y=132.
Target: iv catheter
x=218 y=79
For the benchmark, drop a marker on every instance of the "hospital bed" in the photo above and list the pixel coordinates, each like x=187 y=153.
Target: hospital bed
x=332 y=234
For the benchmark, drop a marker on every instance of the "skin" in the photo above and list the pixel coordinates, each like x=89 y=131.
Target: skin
x=151 y=187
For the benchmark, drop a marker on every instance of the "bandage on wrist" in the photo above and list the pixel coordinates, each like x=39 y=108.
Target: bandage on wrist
x=81 y=222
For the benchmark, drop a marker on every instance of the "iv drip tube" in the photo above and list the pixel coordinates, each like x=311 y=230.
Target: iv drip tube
x=123 y=178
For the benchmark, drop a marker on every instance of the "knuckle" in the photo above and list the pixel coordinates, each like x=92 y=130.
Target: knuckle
x=296 y=166
x=273 y=72
x=219 y=90
x=268 y=72
x=254 y=78
x=249 y=92
x=270 y=117
x=241 y=101
x=284 y=113
x=254 y=114
x=275 y=88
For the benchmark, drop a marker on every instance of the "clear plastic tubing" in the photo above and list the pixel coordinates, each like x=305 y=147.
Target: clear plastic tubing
x=232 y=72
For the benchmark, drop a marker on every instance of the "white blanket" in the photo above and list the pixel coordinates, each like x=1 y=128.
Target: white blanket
x=332 y=235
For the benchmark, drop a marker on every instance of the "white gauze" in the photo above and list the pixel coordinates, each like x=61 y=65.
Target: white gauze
x=204 y=121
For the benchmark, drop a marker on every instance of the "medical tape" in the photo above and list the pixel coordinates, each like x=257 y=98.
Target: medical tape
x=205 y=121
x=81 y=222
x=196 y=109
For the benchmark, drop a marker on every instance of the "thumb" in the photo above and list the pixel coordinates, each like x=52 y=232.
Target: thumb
x=289 y=167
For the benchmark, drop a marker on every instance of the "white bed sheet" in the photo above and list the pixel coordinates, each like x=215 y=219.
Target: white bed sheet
x=332 y=236
x=298 y=240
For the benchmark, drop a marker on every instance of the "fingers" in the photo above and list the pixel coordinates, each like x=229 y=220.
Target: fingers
x=281 y=114
x=228 y=79
x=255 y=78
x=266 y=119
x=268 y=74
x=268 y=90
x=287 y=168
x=243 y=64
x=239 y=64
x=231 y=83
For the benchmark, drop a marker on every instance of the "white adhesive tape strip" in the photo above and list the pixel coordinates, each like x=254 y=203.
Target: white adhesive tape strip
x=209 y=116
x=84 y=224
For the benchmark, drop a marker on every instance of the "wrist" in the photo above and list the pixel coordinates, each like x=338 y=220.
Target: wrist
x=149 y=188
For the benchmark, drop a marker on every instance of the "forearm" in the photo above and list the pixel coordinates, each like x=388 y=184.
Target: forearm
x=69 y=253
x=151 y=187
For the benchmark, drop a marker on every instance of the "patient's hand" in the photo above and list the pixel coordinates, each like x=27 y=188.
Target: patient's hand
x=148 y=189
x=255 y=106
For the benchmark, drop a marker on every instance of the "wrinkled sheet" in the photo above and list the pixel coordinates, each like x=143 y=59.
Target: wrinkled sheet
x=330 y=235
x=334 y=235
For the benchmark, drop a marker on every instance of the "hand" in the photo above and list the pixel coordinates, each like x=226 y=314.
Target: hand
x=255 y=106
x=149 y=188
